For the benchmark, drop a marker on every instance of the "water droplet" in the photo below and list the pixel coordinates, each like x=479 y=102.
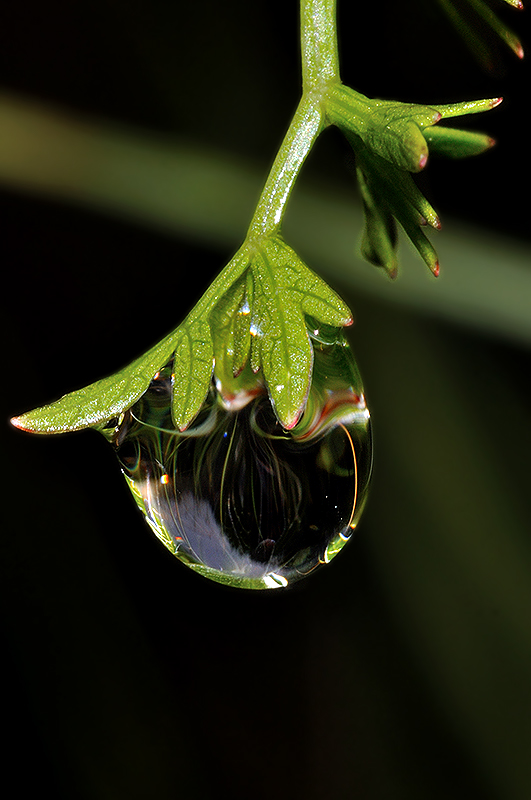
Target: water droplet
x=238 y=498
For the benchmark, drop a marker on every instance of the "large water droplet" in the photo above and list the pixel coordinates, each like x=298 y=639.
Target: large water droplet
x=238 y=498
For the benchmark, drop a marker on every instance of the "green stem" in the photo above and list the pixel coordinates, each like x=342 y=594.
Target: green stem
x=320 y=68
x=305 y=127
x=320 y=60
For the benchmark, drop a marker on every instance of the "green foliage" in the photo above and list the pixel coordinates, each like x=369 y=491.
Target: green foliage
x=255 y=311
x=102 y=400
x=258 y=317
x=390 y=140
x=284 y=290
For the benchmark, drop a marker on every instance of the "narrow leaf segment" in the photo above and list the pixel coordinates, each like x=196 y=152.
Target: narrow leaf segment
x=285 y=292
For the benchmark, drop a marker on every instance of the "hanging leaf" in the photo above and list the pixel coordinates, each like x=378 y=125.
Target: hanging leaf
x=454 y=143
x=102 y=400
x=193 y=362
x=390 y=140
x=285 y=292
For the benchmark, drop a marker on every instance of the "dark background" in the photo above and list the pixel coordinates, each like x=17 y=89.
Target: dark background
x=402 y=670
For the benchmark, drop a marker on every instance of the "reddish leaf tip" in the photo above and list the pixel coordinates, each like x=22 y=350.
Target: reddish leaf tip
x=423 y=160
x=290 y=423
x=435 y=269
x=17 y=423
x=393 y=273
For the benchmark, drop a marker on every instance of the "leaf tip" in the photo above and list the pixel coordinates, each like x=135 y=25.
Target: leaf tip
x=435 y=269
x=392 y=272
x=290 y=423
x=288 y=418
x=24 y=423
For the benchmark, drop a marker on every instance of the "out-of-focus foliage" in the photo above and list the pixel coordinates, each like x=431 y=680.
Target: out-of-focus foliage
x=482 y=29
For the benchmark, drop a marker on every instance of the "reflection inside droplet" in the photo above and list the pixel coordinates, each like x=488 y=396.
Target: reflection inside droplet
x=238 y=498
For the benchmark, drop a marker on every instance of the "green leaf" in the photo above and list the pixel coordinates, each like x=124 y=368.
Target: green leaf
x=102 y=400
x=192 y=349
x=397 y=133
x=253 y=312
x=421 y=242
x=403 y=185
x=400 y=142
x=286 y=355
x=261 y=320
x=468 y=107
x=242 y=332
x=390 y=129
x=193 y=363
x=387 y=190
x=390 y=140
x=379 y=240
x=230 y=325
x=454 y=143
x=285 y=292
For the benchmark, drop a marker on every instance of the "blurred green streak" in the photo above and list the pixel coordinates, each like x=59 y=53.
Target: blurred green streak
x=209 y=197
x=449 y=533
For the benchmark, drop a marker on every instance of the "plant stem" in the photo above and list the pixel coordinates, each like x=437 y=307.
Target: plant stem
x=320 y=60
x=320 y=68
x=305 y=127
